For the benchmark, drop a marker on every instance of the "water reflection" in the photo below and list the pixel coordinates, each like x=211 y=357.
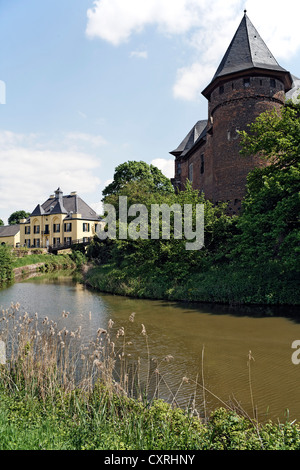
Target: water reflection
x=225 y=335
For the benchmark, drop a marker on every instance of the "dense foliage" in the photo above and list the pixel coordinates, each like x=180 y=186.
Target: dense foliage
x=16 y=216
x=133 y=171
x=6 y=271
x=104 y=422
x=252 y=258
x=269 y=226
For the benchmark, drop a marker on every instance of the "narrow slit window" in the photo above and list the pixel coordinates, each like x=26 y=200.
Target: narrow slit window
x=191 y=172
x=202 y=164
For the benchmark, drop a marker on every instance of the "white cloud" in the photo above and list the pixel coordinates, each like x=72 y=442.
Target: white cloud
x=95 y=140
x=191 y=80
x=29 y=171
x=208 y=26
x=139 y=54
x=166 y=166
x=116 y=20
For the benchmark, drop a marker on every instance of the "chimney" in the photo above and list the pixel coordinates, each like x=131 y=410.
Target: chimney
x=58 y=194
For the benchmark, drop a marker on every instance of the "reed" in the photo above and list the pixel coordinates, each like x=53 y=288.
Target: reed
x=105 y=393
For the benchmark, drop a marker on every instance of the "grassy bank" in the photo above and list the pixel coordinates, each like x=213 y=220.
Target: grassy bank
x=57 y=393
x=221 y=284
x=105 y=422
x=49 y=261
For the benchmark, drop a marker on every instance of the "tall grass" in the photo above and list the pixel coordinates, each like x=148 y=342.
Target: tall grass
x=61 y=391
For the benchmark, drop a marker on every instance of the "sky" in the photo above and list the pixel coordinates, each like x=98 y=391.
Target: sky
x=87 y=85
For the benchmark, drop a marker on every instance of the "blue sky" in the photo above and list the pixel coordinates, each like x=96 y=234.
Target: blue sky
x=92 y=84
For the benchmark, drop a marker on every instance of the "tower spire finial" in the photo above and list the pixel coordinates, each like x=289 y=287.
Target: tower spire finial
x=245 y=11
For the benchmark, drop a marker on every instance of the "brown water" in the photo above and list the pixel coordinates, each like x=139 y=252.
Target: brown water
x=209 y=344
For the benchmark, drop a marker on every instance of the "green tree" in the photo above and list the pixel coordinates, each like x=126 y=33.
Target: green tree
x=132 y=171
x=15 y=217
x=1 y=222
x=269 y=224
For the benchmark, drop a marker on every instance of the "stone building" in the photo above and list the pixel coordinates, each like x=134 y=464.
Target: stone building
x=59 y=221
x=247 y=82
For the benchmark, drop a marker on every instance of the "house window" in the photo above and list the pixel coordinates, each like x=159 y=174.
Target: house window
x=68 y=227
x=86 y=227
x=46 y=230
x=67 y=240
x=36 y=242
x=273 y=83
x=178 y=169
x=202 y=164
x=56 y=241
x=56 y=228
x=246 y=82
x=36 y=229
x=27 y=242
x=27 y=230
x=221 y=89
x=191 y=172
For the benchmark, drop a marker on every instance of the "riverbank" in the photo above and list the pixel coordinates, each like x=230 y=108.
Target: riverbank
x=103 y=421
x=54 y=396
x=224 y=284
x=37 y=264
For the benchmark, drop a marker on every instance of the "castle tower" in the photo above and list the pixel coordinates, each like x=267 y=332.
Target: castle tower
x=247 y=82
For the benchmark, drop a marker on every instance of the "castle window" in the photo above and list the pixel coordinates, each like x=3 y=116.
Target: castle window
x=68 y=227
x=178 y=168
x=191 y=172
x=27 y=230
x=221 y=89
x=202 y=164
x=86 y=227
x=246 y=82
x=261 y=82
x=36 y=229
x=273 y=83
x=56 y=228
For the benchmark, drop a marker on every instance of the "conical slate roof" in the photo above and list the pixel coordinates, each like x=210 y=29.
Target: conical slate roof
x=247 y=51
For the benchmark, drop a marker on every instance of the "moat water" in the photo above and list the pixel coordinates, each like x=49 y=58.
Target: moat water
x=209 y=344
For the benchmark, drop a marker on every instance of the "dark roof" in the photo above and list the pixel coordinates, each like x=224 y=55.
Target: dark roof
x=38 y=210
x=189 y=141
x=71 y=204
x=9 y=230
x=247 y=51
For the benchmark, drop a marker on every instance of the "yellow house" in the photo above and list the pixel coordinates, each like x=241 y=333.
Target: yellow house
x=59 y=222
x=10 y=235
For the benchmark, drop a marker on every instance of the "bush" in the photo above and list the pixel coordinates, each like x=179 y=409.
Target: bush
x=6 y=270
